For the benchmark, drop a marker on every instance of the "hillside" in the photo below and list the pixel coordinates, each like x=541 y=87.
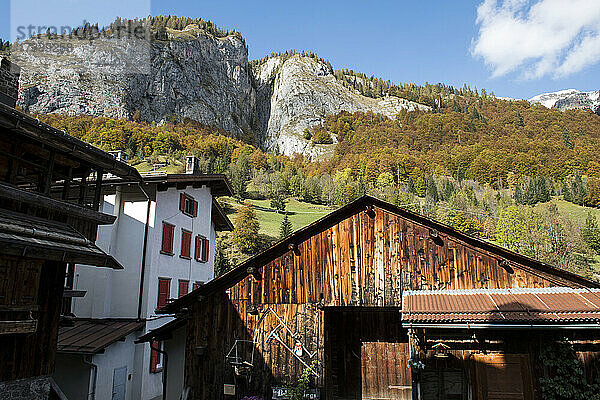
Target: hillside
x=486 y=140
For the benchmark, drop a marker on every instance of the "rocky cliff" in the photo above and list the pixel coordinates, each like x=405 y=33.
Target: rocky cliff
x=570 y=99
x=190 y=74
x=298 y=92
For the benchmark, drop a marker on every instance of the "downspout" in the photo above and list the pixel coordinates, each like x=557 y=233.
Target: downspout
x=94 y=368
x=144 y=248
x=164 y=371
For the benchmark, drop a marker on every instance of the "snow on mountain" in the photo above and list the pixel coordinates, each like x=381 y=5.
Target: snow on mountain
x=569 y=99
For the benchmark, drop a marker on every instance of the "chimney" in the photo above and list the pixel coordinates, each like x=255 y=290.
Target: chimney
x=191 y=165
x=9 y=82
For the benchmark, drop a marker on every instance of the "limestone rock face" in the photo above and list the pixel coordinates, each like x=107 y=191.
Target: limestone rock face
x=298 y=92
x=190 y=75
x=199 y=77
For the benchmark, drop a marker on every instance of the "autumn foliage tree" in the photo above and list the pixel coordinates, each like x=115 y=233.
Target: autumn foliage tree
x=245 y=232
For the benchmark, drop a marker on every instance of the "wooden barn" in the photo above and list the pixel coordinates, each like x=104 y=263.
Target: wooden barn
x=50 y=187
x=376 y=302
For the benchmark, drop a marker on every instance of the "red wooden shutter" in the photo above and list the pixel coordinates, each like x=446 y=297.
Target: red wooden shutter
x=153 y=355
x=167 y=238
x=205 y=257
x=184 y=286
x=164 y=291
x=181 y=201
x=195 y=211
x=186 y=243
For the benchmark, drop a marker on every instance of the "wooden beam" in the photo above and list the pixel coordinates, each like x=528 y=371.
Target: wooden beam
x=39 y=200
x=98 y=189
x=49 y=170
x=67 y=185
x=14 y=327
x=83 y=187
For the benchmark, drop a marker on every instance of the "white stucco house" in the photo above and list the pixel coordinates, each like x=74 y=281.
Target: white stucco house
x=164 y=236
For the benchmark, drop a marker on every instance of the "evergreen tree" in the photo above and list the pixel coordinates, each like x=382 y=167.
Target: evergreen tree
x=578 y=189
x=420 y=186
x=591 y=232
x=432 y=191
x=519 y=194
x=286 y=227
x=566 y=191
x=240 y=174
x=278 y=201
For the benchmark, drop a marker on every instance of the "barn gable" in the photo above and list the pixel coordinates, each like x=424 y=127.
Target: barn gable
x=368 y=252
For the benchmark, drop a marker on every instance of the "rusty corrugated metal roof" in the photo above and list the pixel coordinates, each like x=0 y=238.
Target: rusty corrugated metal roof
x=531 y=305
x=90 y=336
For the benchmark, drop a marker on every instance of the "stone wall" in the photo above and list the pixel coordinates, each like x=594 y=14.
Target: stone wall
x=35 y=388
x=9 y=82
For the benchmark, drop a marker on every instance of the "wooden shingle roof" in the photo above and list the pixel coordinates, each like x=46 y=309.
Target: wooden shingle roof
x=91 y=336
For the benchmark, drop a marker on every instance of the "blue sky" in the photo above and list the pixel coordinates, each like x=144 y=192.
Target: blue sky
x=404 y=41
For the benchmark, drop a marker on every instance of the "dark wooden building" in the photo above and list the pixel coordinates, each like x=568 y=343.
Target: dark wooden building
x=351 y=298
x=50 y=187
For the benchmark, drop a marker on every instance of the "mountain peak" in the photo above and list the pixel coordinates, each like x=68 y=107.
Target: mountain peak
x=569 y=99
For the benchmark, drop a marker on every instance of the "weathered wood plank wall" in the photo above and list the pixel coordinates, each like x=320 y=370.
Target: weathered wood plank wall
x=365 y=261
x=359 y=262
x=40 y=283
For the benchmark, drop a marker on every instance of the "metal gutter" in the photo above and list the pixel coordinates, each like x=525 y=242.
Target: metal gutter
x=144 y=249
x=94 y=367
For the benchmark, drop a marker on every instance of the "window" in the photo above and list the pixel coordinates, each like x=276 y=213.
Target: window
x=186 y=243
x=164 y=292
x=167 y=238
x=202 y=249
x=156 y=362
x=197 y=284
x=188 y=205
x=184 y=286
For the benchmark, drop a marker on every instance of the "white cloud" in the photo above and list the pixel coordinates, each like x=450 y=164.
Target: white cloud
x=538 y=38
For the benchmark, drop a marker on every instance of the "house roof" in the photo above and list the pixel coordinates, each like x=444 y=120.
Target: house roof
x=27 y=236
x=220 y=219
x=30 y=127
x=91 y=336
x=501 y=306
x=283 y=246
x=218 y=183
x=162 y=332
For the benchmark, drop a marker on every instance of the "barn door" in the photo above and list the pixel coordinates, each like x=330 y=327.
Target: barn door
x=385 y=371
x=503 y=377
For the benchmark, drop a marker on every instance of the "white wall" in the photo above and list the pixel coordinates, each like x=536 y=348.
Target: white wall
x=119 y=354
x=115 y=293
x=175 y=267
